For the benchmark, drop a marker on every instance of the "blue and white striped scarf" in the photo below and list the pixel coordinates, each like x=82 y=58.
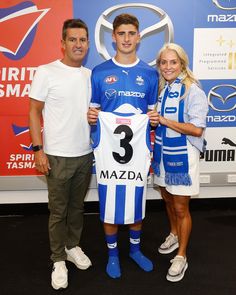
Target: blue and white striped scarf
x=170 y=145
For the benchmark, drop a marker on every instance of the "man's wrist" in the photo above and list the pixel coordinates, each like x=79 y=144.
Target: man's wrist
x=37 y=148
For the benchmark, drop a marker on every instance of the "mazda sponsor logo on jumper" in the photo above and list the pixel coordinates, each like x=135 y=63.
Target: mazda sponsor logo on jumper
x=112 y=93
x=103 y=25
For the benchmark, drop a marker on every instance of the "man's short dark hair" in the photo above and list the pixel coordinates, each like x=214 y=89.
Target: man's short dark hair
x=74 y=23
x=125 y=19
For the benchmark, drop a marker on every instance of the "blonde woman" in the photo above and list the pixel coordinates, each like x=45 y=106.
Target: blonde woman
x=182 y=108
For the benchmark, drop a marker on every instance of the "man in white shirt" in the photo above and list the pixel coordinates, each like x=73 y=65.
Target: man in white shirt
x=60 y=94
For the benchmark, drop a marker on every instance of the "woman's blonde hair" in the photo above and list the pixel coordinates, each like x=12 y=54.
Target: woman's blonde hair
x=186 y=74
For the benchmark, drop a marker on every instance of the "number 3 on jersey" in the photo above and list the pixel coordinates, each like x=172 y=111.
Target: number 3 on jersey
x=124 y=143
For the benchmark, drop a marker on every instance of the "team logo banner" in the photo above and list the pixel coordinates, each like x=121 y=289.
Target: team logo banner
x=30 y=33
x=207 y=34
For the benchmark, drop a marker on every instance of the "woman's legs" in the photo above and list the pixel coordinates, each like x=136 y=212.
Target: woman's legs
x=183 y=221
x=168 y=198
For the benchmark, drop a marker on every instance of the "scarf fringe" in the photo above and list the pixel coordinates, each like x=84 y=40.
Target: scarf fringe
x=178 y=179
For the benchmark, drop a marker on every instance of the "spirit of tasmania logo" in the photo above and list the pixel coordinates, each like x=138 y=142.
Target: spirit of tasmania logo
x=21 y=20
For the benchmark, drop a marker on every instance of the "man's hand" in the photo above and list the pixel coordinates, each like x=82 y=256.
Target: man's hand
x=41 y=162
x=92 y=116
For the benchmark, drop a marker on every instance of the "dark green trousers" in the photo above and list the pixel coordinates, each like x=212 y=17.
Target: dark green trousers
x=67 y=187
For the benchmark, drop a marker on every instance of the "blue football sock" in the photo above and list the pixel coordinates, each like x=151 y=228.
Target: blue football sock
x=142 y=261
x=113 y=267
x=135 y=253
x=134 y=238
x=112 y=245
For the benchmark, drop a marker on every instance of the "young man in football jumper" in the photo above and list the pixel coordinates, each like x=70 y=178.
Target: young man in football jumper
x=124 y=84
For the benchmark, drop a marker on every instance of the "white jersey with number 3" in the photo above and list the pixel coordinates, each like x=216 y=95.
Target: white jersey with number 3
x=122 y=152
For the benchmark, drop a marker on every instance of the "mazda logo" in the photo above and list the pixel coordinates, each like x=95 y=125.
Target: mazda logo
x=216 y=93
x=103 y=25
x=217 y=4
x=110 y=93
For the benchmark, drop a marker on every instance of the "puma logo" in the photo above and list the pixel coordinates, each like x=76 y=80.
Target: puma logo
x=228 y=141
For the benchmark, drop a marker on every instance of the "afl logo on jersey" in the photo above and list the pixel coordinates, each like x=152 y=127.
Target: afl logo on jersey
x=111 y=79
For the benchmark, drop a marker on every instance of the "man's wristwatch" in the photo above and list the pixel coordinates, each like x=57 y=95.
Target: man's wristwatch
x=37 y=148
